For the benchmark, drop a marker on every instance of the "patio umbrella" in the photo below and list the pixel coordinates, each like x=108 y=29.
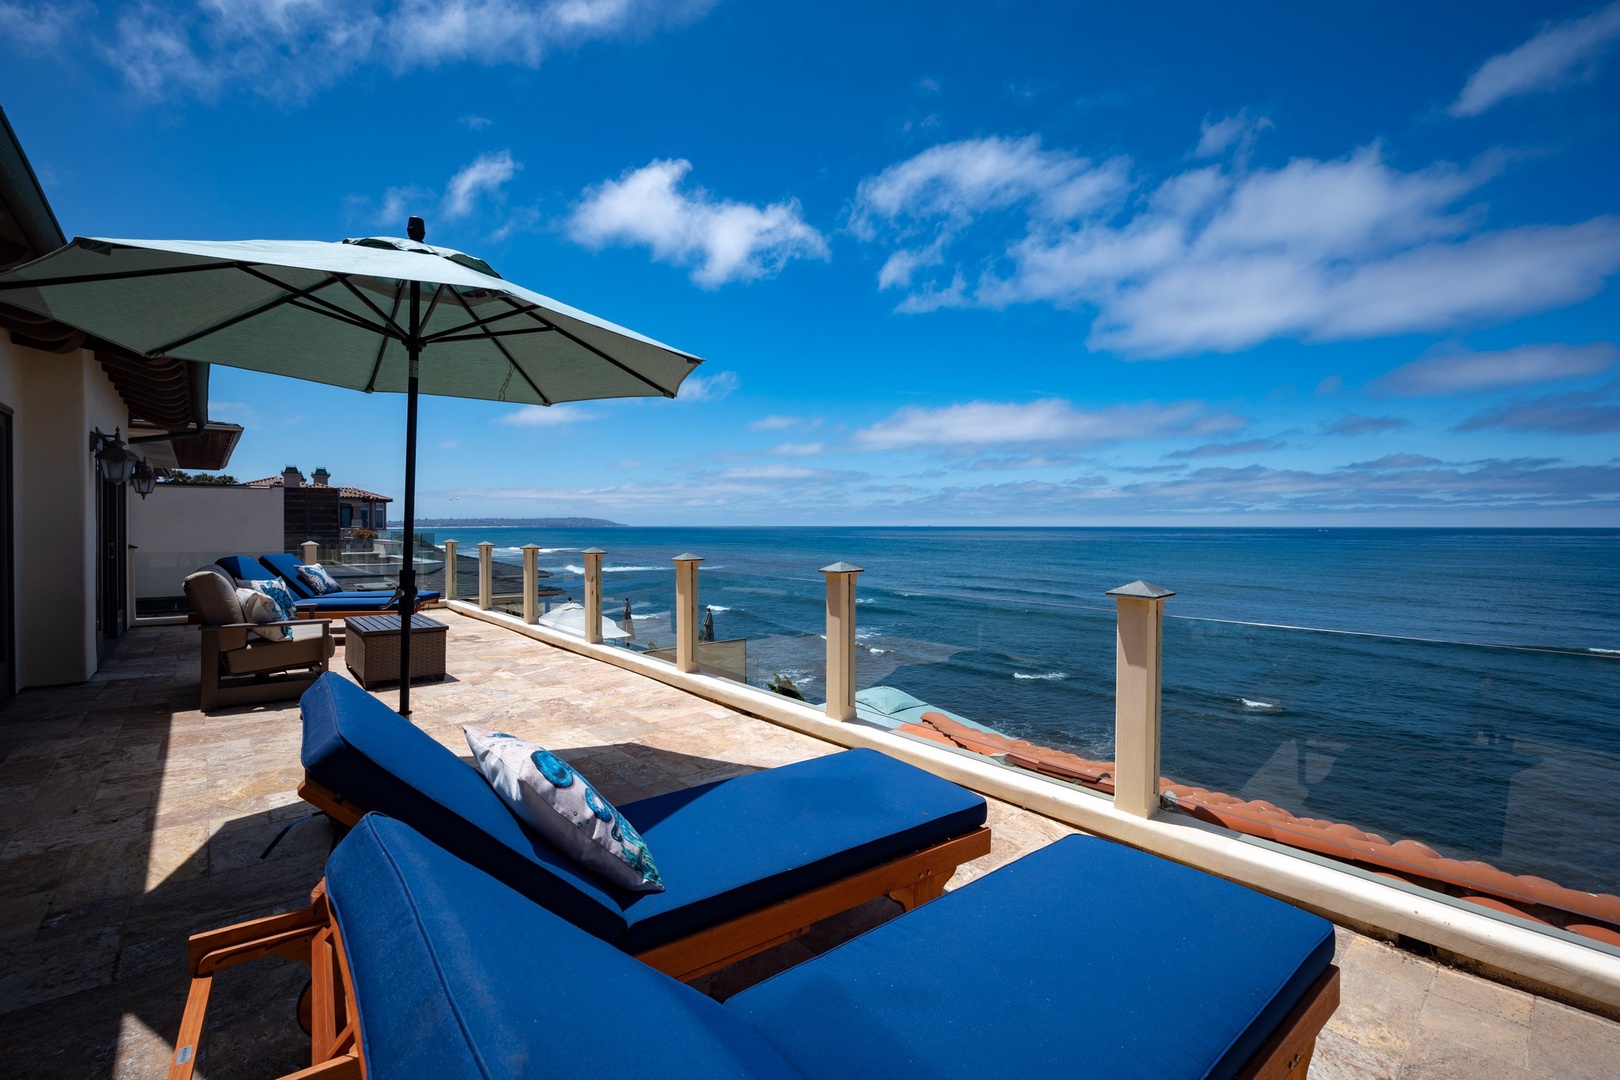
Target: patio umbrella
x=371 y=314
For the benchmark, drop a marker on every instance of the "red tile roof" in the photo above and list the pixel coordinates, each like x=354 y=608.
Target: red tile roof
x=343 y=492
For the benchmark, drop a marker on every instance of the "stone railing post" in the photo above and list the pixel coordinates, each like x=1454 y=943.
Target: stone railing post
x=841 y=640
x=686 y=616
x=531 y=582
x=310 y=552
x=1139 y=648
x=450 y=566
x=486 y=575
x=593 y=594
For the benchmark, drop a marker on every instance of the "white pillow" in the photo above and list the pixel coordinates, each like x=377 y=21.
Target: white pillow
x=546 y=793
x=259 y=608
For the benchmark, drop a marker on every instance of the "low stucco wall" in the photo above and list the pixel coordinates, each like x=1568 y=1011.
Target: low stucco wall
x=180 y=527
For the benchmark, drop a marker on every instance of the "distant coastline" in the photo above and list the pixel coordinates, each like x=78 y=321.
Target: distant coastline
x=520 y=523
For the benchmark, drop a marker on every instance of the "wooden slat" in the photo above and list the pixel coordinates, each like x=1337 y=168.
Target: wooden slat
x=330 y=803
x=714 y=948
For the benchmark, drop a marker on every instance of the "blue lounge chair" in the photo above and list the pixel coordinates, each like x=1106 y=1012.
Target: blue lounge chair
x=246 y=568
x=286 y=567
x=747 y=863
x=1084 y=958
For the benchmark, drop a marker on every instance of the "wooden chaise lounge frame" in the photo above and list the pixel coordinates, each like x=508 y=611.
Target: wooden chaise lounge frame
x=910 y=880
x=311 y=936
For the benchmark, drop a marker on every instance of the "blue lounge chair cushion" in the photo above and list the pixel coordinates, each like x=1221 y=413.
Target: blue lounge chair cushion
x=457 y=976
x=739 y=845
x=356 y=746
x=245 y=568
x=286 y=567
x=724 y=849
x=1084 y=952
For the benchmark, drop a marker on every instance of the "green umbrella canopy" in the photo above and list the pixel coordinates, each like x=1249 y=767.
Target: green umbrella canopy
x=373 y=314
x=340 y=314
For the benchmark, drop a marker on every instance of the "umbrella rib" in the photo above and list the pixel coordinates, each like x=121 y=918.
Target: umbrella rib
x=291 y=297
x=389 y=327
x=376 y=367
x=337 y=314
x=446 y=334
x=628 y=370
x=495 y=341
x=437 y=339
x=120 y=275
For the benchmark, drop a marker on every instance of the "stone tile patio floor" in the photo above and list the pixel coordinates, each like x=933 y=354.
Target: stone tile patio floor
x=128 y=819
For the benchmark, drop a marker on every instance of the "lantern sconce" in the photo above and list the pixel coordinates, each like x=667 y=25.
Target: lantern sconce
x=110 y=454
x=143 y=479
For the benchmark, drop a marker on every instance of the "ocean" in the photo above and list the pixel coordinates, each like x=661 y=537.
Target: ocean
x=1460 y=687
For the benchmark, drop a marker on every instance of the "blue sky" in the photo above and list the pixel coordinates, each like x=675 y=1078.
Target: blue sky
x=948 y=263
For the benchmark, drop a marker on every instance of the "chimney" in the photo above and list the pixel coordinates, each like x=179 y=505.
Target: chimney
x=320 y=476
x=291 y=477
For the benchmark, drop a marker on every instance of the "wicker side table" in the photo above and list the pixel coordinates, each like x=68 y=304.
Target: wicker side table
x=372 y=648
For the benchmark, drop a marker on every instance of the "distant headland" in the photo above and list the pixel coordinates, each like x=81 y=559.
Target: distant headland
x=524 y=523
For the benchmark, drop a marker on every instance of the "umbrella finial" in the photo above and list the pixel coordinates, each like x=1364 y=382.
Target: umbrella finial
x=416 y=229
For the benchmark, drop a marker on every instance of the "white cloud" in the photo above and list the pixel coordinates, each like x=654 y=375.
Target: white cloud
x=708 y=387
x=541 y=416
x=946 y=187
x=798 y=449
x=35 y=27
x=289 y=49
x=1223 y=258
x=782 y=423
x=980 y=424
x=1468 y=372
x=721 y=239
x=1236 y=133
x=474 y=122
x=1559 y=54
x=484 y=176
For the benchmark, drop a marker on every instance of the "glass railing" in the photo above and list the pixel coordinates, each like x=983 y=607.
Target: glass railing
x=1464 y=766
x=1026 y=683
x=157 y=577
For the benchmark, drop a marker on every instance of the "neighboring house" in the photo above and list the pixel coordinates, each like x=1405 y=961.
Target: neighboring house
x=316 y=510
x=64 y=559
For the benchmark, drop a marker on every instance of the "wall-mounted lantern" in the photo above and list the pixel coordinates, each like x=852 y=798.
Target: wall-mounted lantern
x=143 y=479
x=110 y=454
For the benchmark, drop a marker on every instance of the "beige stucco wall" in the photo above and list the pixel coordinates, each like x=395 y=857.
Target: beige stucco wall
x=56 y=399
x=180 y=527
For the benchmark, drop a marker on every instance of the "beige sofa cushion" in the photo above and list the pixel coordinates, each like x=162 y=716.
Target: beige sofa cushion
x=213 y=598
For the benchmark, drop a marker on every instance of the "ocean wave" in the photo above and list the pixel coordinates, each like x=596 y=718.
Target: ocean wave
x=865 y=600
x=1603 y=652
x=1260 y=706
x=874 y=652
x=716 y=607
x=1050 y=676
x=570 y=568
x=651 y=615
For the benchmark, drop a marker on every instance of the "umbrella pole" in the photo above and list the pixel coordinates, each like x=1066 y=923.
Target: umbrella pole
x=407 y=573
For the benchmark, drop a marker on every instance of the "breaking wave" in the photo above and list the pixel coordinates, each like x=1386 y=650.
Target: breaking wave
x=1050 y=676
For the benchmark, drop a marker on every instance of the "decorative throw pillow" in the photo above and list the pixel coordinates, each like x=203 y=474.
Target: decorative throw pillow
x=317 y=580
x=546 y=793
x=280 y=595
x=259 y=608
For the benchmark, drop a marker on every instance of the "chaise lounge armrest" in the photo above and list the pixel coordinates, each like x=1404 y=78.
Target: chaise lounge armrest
x=228 y=636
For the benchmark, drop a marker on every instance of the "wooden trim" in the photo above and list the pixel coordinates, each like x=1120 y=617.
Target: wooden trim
x=329 y=803
x=922 y=874
x=1286 y=1053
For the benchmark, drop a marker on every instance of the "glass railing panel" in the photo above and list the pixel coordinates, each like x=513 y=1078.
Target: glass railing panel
x=157 y=578
x=1467 y=768
x=1022 y=681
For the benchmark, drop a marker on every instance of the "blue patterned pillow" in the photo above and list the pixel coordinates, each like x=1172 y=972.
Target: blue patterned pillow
x=279 y=595
x=545 y=792
x=259 y=608
x=317 y=580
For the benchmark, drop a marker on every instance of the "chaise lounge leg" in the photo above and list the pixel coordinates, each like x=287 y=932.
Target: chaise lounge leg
x=929 y=887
